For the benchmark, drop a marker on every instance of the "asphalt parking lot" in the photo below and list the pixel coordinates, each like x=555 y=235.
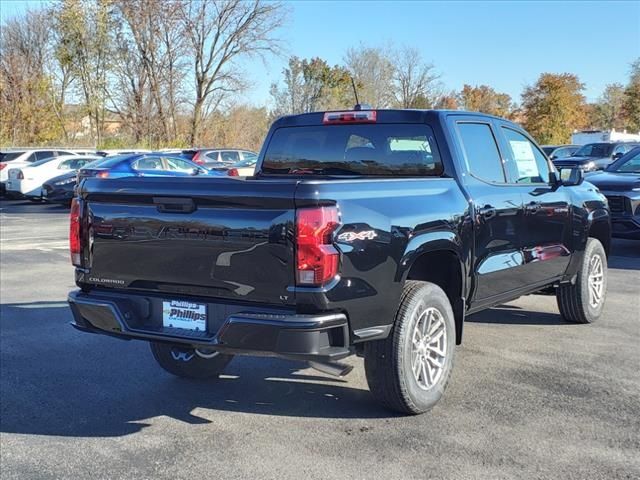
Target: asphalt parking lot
x=530 y=397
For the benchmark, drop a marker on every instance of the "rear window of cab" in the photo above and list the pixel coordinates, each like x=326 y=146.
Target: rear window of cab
x=353 y=149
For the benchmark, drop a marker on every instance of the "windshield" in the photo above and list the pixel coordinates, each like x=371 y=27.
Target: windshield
x=353 y=149
x=595 y=150
x=630 y=163
x=548 y=150
x=8 y=156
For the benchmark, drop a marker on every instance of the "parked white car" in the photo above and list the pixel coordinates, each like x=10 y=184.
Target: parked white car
x=27 y=181
x=22 y=157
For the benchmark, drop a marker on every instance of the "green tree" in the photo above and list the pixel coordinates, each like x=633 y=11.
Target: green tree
x=312 y=85
x=84 y=45
x=554 y=107
x=631 y=102
x=607 y=112
x=485 y=99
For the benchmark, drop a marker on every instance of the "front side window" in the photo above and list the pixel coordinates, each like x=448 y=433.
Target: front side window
x=177 y=165
x=630 y=164
x=481 y=152
x=526 y=164
x=354 y=149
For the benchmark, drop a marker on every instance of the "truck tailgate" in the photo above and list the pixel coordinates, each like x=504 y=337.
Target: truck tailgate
x=212 y=237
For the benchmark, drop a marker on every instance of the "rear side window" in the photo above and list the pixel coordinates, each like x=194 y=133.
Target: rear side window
x=360 y=149
x=481 y=152
x=7 y=157
x=45 y=154
x=213 y=156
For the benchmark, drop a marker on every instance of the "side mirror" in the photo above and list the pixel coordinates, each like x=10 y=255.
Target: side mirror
x=616 y=156
x=195 y=171
x=570 y=177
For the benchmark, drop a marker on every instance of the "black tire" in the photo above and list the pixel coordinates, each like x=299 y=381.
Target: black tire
x=183 y=361
x=574 y=300
x=388 y=363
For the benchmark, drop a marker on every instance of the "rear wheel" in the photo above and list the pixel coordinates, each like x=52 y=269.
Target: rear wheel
x=186 y=362
x=409 y=370
x=583 y=301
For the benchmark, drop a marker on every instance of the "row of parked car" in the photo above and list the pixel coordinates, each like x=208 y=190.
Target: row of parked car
x=589 y=157
x=52 y=174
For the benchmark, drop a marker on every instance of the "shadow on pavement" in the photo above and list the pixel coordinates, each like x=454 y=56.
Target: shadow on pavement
x=57 y=381
x=26 y=206
x=513 y=315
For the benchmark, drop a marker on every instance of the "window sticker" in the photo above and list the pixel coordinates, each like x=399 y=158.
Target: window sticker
x=524 y=157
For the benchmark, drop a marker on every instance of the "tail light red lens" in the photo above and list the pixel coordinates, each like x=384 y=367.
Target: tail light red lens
x=20 y=175
x=233 y=172
x=196 y=159
x=102 y=174
x=2 y=165
x=74 y=234
x=316 y=258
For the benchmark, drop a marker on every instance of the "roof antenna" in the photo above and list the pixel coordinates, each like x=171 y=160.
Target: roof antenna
x=359 y=106
x=355 y=92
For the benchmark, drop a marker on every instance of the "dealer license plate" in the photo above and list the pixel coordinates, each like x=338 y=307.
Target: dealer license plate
x=187 y=315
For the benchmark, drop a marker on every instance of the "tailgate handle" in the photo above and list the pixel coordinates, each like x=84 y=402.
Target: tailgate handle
x=174 y=204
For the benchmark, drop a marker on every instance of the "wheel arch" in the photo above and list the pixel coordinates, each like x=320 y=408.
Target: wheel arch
x=438 y=259
x=600 y=229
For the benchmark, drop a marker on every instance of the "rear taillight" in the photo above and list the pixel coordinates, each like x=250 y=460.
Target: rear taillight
x=102 y=174
x=196 y=159
x=356 y=116
x=316 y=257
x=74 y=234
x=233 y=172
x=20 y=175
x=2 y=165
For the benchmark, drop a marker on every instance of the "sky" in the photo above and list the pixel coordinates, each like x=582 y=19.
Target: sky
x=504 y=44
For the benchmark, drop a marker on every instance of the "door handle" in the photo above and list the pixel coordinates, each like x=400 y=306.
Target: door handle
x=174 y=204
x=488 y=211
x=533 y=207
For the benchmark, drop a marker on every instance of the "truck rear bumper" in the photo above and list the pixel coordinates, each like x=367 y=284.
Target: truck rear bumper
x=320 y=337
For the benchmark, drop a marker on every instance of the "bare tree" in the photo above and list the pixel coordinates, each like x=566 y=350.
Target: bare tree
x=416 y=81
x=26 y=89
x=373 y=71
x=221 y=32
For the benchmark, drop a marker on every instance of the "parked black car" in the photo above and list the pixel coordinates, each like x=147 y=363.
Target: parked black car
x=620 y=183
x=595 y=156
x=60 y=189
x=362 y=232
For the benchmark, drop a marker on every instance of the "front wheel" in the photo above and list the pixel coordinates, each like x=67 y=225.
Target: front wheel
x=185 y=362
x=583 y=301
x=409 y=370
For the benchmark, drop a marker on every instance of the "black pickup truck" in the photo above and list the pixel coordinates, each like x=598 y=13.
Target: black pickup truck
x=362 y=232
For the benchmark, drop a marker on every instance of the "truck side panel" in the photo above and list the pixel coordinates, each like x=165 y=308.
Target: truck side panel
x=384 y=229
